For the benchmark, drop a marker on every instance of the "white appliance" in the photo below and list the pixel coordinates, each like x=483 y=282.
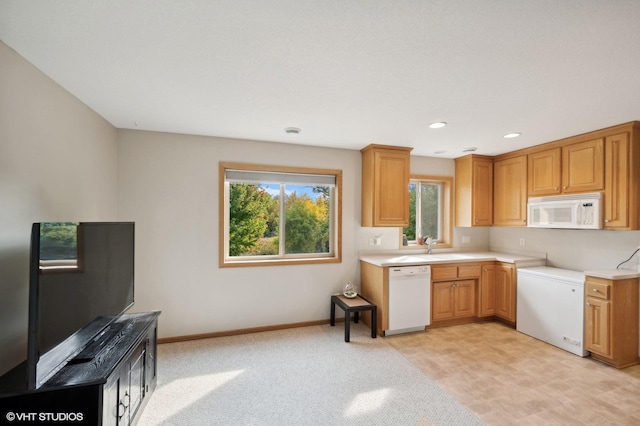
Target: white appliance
x=409 y=299
x=550 y=306
x=579 y=211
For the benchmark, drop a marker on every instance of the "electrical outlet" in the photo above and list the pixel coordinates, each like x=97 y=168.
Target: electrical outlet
x=466 y=239
x=521 y=242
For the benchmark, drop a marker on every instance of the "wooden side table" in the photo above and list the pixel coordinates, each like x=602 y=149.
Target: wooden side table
x=356 y=305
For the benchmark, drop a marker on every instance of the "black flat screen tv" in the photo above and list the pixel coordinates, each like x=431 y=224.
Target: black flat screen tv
x=81 y=281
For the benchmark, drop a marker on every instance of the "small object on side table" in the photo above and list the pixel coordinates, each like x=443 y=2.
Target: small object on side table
x=350 y=290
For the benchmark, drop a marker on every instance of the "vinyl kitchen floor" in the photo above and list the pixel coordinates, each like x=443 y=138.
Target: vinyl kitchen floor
x=509 y=378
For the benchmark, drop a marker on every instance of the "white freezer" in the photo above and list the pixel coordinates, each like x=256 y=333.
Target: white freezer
x=550 y=306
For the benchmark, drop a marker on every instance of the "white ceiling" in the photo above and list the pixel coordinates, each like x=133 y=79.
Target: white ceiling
x=347 y=72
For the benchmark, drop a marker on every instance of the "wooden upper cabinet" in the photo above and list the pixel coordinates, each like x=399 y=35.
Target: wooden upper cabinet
x=616 y=189
x=583 y=166
x=544 y=172
x=474 y=190
x=510 y=191
x=570 y=168
x=385 y=186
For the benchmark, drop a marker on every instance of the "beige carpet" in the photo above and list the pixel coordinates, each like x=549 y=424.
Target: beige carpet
x=302 y=376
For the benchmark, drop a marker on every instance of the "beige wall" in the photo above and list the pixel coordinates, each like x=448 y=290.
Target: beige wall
x=57 y=162
x=169 y=186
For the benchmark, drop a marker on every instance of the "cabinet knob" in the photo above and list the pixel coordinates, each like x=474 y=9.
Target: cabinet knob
x=607 y=220
x=564 y=187
x=588 y=304
x=555 y=189
x=595 y=290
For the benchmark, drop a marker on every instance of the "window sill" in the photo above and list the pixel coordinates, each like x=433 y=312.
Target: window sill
x=278 y=262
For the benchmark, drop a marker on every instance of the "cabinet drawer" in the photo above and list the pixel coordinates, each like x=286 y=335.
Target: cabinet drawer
x=599 y=290
x=440 y=273
x=471 y=271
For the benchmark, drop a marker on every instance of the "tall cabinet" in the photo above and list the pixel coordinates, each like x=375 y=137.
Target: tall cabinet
x=474 y=190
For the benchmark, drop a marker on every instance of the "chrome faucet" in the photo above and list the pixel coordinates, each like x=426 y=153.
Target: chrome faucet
x=430 y=242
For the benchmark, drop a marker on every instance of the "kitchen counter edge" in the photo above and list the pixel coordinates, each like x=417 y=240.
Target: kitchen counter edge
x=444 y=258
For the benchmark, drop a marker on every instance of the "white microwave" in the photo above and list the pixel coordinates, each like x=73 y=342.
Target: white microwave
x=579 y=211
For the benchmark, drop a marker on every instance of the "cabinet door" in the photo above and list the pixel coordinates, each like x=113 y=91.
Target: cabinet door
x=474 y=190
x=597 y=326
x=464 y=298
x=583 y=166
x=616 y=188
x=392 y=189
x=482 y=190
x=544 y=172
x=510 y=192
x=487 y=291
x=442 y=301
x=505 y=292
x=111 y=408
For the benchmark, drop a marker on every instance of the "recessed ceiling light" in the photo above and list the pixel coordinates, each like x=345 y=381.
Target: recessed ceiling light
x=292 y=130
x=437 y=125
x=439 y=152
x=512 y=135
x=470 y=149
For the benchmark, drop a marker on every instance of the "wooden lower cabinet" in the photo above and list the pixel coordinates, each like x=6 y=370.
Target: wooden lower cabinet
x=487 y=291
x=453 y=299
x=611 y=320
x=460 y=292
x=497 y=291
x=505 y=290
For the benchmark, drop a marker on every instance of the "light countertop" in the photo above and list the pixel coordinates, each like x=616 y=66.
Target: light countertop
x=399 y=259
x=613 y=274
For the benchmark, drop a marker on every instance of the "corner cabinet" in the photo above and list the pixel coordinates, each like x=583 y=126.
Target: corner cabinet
x=510 y=191
x=497 y=292
x=385 y=186
x=487 y=291
x=109 y=390
x=474 y=190
x=611 y=320
x=505 y=292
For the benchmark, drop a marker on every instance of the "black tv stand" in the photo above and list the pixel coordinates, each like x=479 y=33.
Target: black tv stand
x=99 y=343
x=109 y=387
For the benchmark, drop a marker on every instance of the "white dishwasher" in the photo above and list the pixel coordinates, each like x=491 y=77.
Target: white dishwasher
x=409 y=299
x=551 y=306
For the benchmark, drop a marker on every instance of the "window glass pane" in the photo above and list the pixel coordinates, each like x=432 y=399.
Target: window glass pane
x=410 y=231
x=254 y=211
x=307 y=220
x=272 y=215
x=430 y=209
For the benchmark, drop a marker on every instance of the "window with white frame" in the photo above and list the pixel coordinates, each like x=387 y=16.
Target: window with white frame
x=429 y=210
x=276 y=215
